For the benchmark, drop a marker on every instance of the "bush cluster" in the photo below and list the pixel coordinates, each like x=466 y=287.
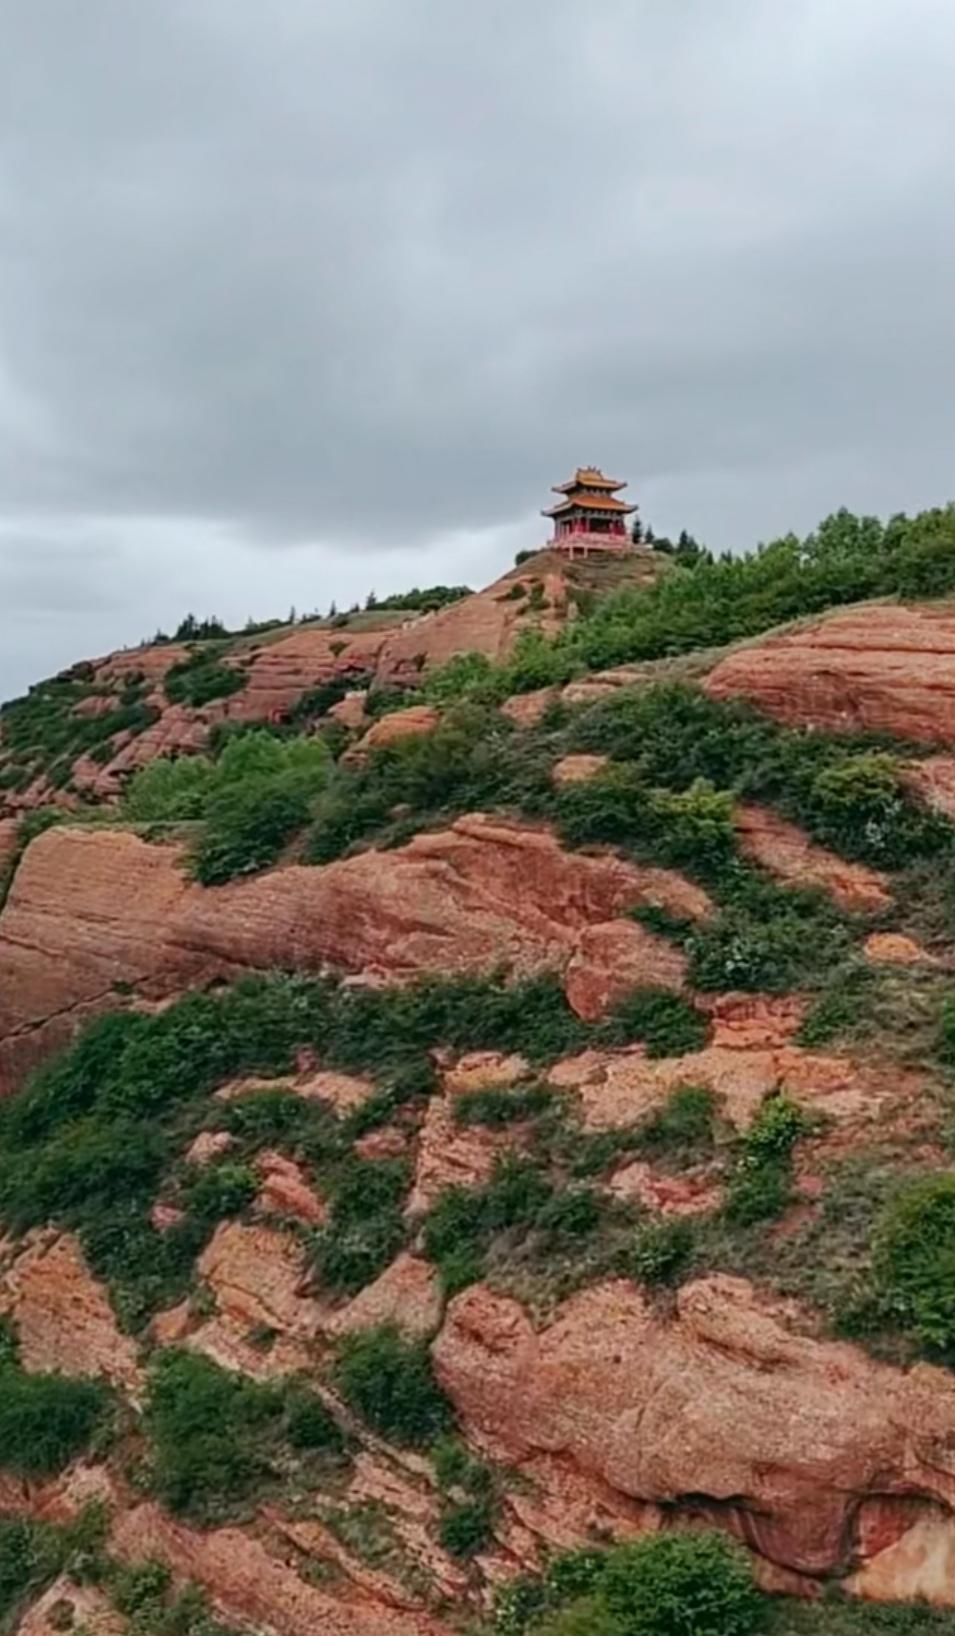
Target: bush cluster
x=760 y=1187
x=695 y=1583
x=201 y=677
x=914 y=1261
x=250 y=801
x=217 y=1438
x=389 y=1382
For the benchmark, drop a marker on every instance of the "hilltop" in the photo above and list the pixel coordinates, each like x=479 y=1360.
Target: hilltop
x=476 y=1148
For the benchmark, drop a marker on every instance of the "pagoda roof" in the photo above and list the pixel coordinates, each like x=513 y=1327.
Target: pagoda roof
x=590 y=500
x=588 y=477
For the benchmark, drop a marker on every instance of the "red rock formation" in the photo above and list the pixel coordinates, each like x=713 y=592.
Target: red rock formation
x=723 y=1408
x=789 y=854
x=410 y=723
x=488 y=622
x=68 y=1606
x=285 y=1190
x=407 y=1294
x=612 y=958
x=893 y=949
x=259 y=1587
x=878 y=667
x=617 y=1088
x=527 y=709
x=63 y=1316
x=934 y=781
x=578 y=769
x=90 y=909
x=8 y=842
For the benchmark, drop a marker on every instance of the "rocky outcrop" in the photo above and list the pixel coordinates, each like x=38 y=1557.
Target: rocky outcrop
x=257 y=1586
x=397 y=724
x=95 y=913
x=406 y=1294
x=618 y=1088
x=789 y=854
x=68 y=1606
x=933 y=780
x=615 y=957
x=723 y=1409
x=880 y=667
x=578 y=769
x=488 y=622
x=63 y=1317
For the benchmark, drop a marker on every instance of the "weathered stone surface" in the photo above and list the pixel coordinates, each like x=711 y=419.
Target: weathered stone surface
x=407 y=1294
x=8 y=841
x=614 y=957
x=63 y=1316
x=787 y=852
x=258 y=1277
x=618 y=1087
x=68 y=1606
x=350 y=711
x=488 y=622
x=723 y=1404
x=879 y=667
x=744 y=1021
x=285 y=1190
x=934 y=781
x=398 y=724
x=247 y=1582
x=478 y=1070
x=686 y=1195
x=90 y=909
x=527 y=709
x=209 y=1145
x=577 y=769
x=893 y=949
x=450 y=1155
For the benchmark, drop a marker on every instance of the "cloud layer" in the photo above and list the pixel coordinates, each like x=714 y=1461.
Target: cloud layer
x=326 y=296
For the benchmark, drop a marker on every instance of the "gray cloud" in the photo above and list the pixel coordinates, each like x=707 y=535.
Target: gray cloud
x=352 y=277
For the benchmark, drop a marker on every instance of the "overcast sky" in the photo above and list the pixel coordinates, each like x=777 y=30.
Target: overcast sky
x=306 y=297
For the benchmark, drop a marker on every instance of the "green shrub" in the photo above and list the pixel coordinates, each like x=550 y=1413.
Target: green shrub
x=760 y=1187
x=388 y=1380
x=308 y=1424
x=220 y=1190
x=588 y=1616
x=246 y=828
x=46 y=1420
x=31 y=1556
x=662 y=1251
x=571 y=1213
x=203 y=1423
x=467 y=1527
x=498 y=1106
x=771 y=948
x=682 y=1127
x=200 y=678
x=668 y=1025
x=251 y=800
x=945 y=1047
x=682 y=1584
x=914 y=1260
x=169 y=791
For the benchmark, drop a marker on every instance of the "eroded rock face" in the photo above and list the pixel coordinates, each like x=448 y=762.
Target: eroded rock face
x=407 y=1294
x=883 y=668
x=63 y=1317
x=614 y=957
x=68 y=1606
x=488 y=622
x=90 y=910
x=723 y=1406
x=789 y=854
x=398 y=724
x=618 y=1088
x=259 y=1587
